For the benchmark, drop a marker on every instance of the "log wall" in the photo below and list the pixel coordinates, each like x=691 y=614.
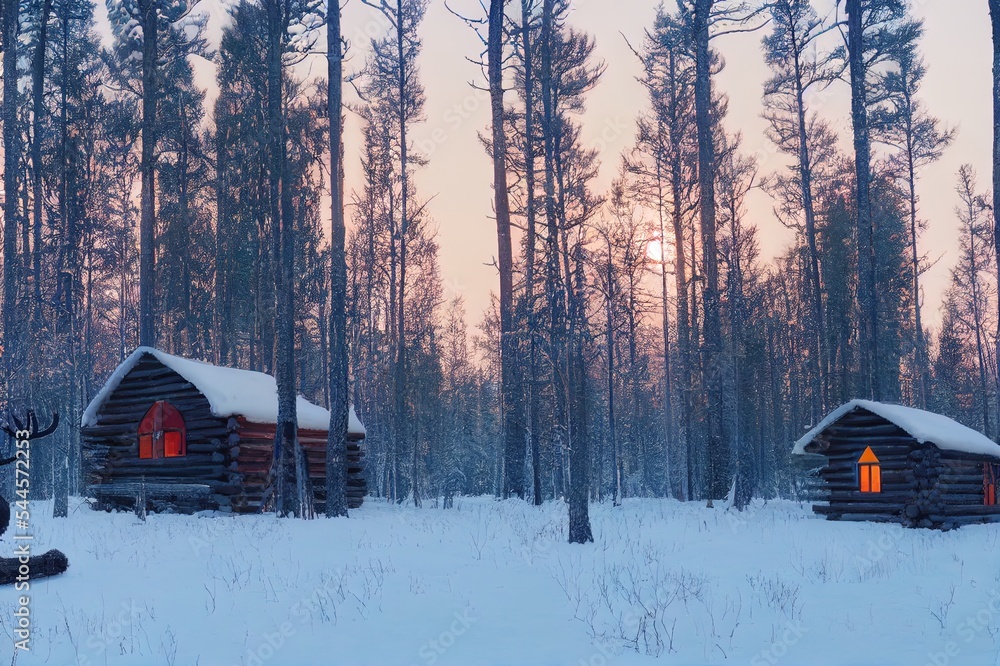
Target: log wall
x=922 y=486
x=206 y=478
x=227 y=459
x=256 y=442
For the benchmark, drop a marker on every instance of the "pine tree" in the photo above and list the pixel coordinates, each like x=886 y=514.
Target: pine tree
x=393 y=81
x=877 y=31
x=972 y=289
x=666 y=152
x=791 y=52
x=919 y=139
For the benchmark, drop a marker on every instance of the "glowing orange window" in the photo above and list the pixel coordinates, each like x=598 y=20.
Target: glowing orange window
x=162 y=433
x=869 y=472
x=989 y=484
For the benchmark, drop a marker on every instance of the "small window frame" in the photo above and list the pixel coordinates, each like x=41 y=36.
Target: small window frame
x=991 y=472
x=869 y=470
x=162 y=433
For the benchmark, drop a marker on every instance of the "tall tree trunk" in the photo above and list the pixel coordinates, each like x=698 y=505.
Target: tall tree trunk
x=67 y=271
x=147 y=166
x=13 y=337
x=38 y=112
x=817 y=353
x=719 y=448
x=868 y=306
x=681 y=286
x=609 y=332
x=183 y=327
x=529 y=253
x=922 y=363
x=223 y=332
x=554 y=286
x=995 y=20
x=284 y=473
x=668 y=388
x=510 y=367
x=579 y=436
x=401 y=377
x=336 y=444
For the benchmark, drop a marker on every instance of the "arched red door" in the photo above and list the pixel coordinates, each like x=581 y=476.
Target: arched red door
x=162 y=433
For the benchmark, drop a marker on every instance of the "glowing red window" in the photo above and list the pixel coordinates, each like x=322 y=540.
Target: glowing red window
x=990 y=473
x=162 y=433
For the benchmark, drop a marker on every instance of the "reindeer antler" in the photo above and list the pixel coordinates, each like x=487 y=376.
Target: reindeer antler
x=45 y=432
x=33 y=431
x=32 y=422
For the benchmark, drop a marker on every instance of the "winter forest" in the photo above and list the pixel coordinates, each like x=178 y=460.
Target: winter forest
x=576 y=332
x=638 y=342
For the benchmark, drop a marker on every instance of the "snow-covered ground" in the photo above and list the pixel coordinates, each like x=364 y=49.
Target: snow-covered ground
x=495 y=583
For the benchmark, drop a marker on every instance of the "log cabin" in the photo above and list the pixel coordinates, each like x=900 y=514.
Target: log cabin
x=181 y=435
x=890 y=463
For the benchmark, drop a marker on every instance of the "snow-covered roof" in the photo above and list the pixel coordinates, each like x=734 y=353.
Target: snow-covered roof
x=230 y=392
x=925 y=427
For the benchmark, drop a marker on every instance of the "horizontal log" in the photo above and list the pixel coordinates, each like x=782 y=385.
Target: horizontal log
x=842 y=499
x=973 y=498
x=970 y=519
x=866 y=517
x=970 y=486
x=146 y=390
x=860 y=415
x=882 y=449
x=220 y=486
x=976 y=509
x=123 y=397
x=961 y=478
x=887 y=488
x=123 y=459
x=199 y=427
x=863 y=438
x=149 y=372
x=205 y=420
x=139 y=409
x=173 y=466
x=123 y=410
x=129 y=447
x=892 y=466
x=133 y=489
x=967 y=458
x=860 y=507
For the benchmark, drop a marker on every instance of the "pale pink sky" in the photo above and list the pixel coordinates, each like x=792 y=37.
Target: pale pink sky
x=957 y=48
